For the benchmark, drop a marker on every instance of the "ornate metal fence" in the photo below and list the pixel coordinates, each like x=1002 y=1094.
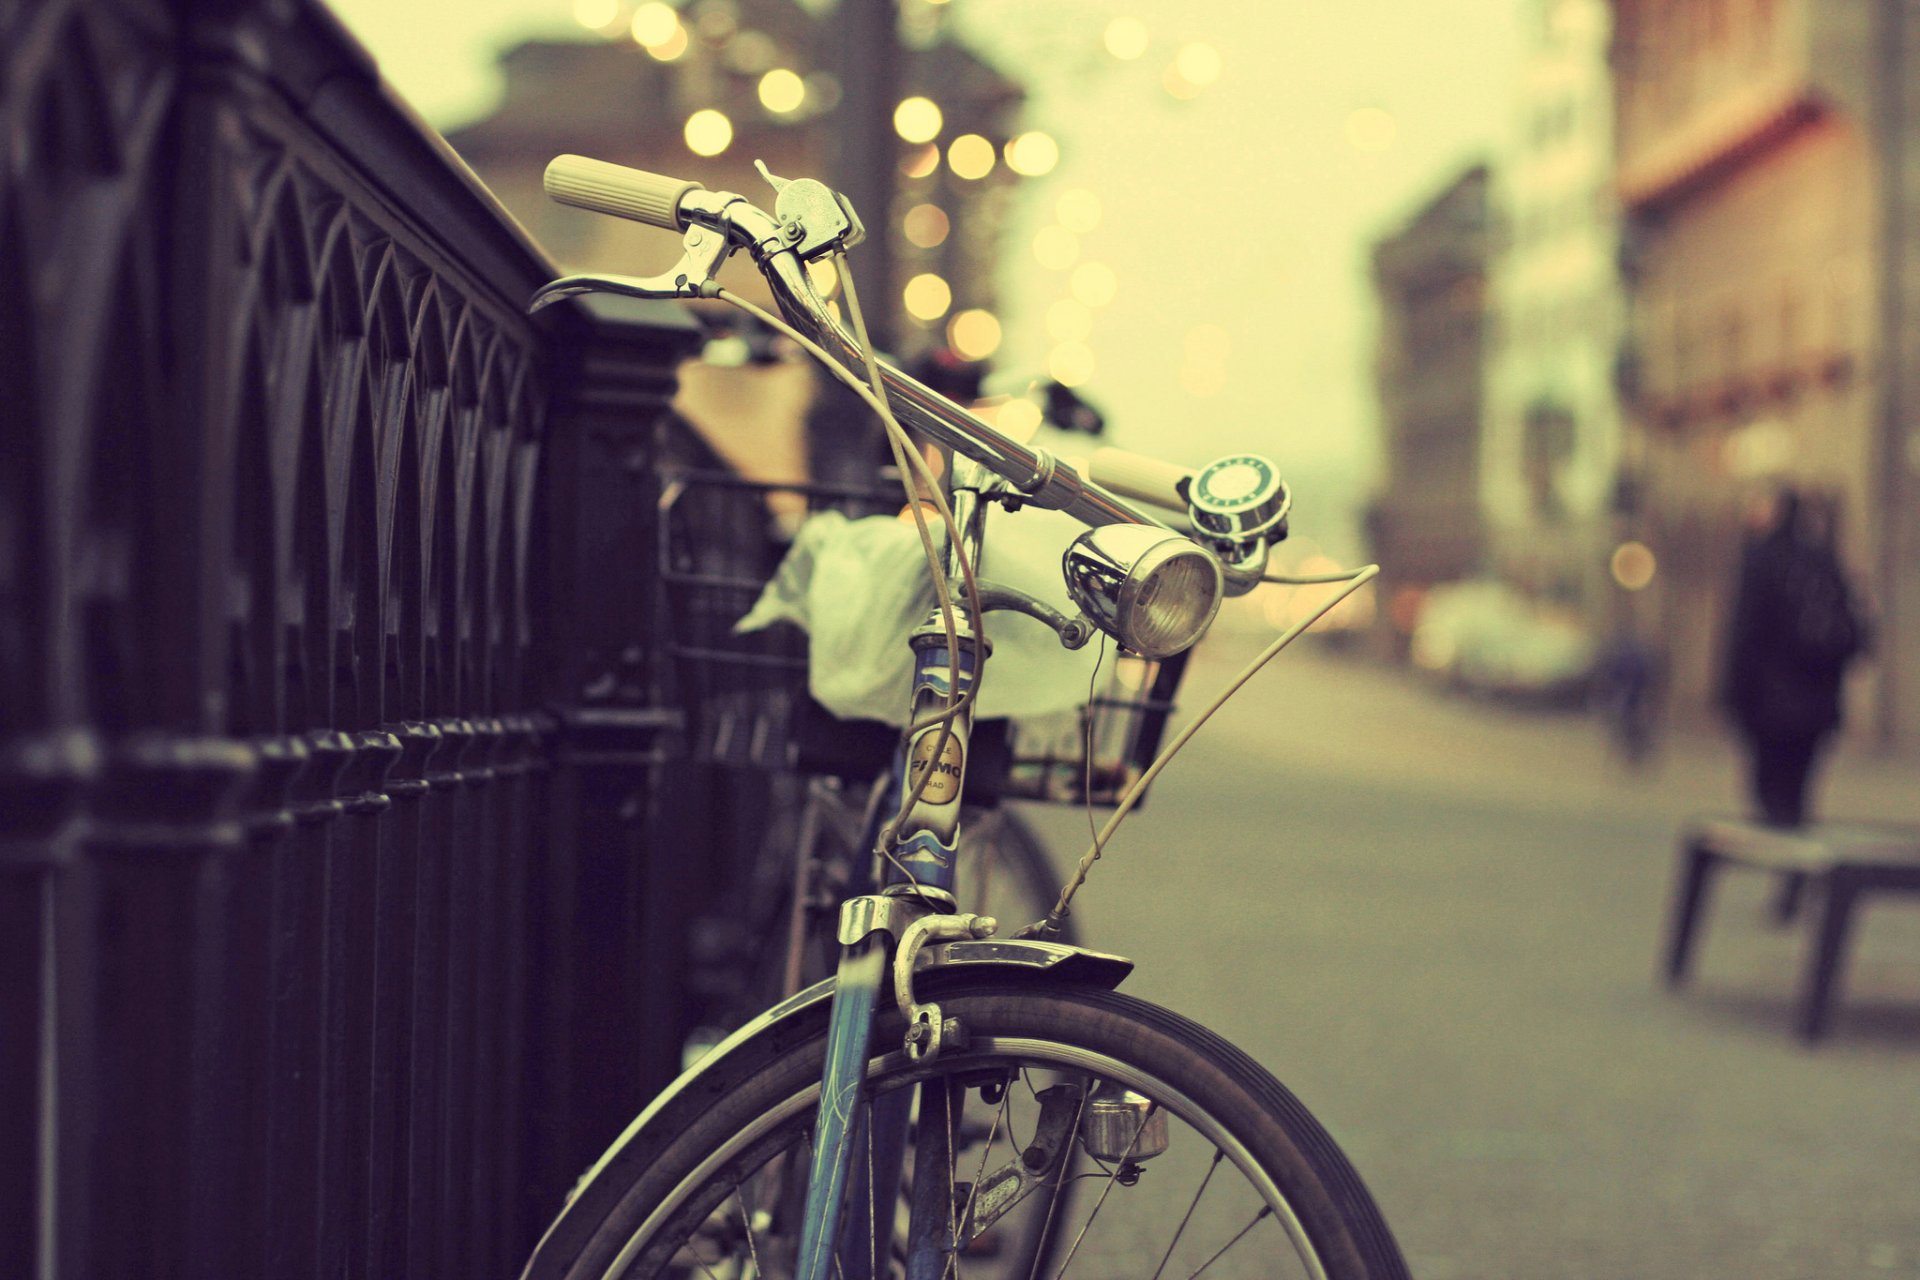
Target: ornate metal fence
x=324 y=728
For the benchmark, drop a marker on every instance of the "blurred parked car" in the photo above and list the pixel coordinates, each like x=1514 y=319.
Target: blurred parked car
x=1489 y=638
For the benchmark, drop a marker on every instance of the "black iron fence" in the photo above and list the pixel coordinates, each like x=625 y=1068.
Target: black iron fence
x=327 y=942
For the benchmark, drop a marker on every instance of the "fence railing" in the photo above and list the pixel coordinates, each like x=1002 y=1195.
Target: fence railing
x=325 y=738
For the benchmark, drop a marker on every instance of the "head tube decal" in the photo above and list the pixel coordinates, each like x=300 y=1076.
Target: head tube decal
x=948 y=771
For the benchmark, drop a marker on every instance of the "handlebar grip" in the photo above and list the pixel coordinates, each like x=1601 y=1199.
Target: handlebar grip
x=1137 y=476
x=651 y=198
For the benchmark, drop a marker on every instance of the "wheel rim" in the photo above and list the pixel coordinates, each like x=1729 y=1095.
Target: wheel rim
x=707 y=1188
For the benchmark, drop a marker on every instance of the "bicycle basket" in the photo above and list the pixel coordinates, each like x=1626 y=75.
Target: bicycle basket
x=1093 y=754
x=745 y=696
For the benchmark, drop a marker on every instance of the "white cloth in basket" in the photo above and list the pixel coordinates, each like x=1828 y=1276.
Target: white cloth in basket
x=858 y=587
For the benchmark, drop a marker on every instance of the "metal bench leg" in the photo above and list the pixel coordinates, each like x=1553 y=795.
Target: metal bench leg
x=1697 y=865
x=1791 y=888
x=1828 y=954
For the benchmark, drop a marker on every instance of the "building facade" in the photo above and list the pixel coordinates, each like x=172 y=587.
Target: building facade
x=1425 y=522
x=1770 y=254
x=1550 y=455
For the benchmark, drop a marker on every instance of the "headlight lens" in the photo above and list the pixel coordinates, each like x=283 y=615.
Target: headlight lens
x=1153 y=591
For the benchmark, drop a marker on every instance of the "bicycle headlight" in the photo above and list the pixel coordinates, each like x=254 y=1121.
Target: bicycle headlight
x=1153 y=591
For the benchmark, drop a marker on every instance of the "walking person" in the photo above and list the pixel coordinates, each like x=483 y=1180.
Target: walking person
x=1793 y=631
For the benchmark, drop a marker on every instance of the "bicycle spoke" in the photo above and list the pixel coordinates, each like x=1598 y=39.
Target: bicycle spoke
x=746 y=1220
x=1264 y=1211
x=979 y=1174
x=693 y=1252
x=1181 y=1230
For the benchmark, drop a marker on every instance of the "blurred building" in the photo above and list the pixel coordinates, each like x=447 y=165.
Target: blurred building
x=1550 y=453
x=703 y=90
x=1425 y=523
x=1765 y=173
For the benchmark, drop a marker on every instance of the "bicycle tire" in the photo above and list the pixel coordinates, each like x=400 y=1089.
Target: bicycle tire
x=673 y=1209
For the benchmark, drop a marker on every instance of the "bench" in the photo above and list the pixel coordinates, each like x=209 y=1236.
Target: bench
x=1844 y=863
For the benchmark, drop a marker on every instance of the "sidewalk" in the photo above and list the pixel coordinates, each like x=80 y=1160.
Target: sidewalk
x=1439 y=921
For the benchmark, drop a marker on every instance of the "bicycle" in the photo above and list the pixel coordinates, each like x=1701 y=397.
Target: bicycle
x=947 y=1080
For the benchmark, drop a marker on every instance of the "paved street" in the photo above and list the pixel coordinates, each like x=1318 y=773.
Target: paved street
x=1438 y=920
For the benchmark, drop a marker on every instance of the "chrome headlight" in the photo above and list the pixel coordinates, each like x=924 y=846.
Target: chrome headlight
x=1153 y=591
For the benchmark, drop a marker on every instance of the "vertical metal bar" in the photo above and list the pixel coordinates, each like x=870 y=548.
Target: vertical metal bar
x=28 y=1063
x=297 y=1027
x=426 y=1094
x=394 y=1033
x=930 y=1221
x=849 y=1035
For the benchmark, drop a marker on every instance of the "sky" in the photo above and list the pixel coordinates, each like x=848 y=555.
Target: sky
x=1236 y=223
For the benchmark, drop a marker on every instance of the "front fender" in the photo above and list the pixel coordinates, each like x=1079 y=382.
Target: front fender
x=772 y=1035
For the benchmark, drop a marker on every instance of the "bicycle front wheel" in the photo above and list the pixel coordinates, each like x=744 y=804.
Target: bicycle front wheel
x=1185 y=1157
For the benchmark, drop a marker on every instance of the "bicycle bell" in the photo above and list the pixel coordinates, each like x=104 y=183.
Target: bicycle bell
x=1238 y=503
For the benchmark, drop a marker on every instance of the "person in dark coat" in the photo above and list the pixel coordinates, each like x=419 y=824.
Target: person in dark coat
x=1793 y=632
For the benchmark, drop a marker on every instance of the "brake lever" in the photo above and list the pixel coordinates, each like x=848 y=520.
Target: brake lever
x=703 y=252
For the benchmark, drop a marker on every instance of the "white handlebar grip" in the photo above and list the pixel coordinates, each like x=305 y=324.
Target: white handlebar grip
x=1135 y=475
x=651 y=198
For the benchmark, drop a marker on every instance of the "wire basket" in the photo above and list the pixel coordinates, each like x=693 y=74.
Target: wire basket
x=745 y=696
x=1048 y=756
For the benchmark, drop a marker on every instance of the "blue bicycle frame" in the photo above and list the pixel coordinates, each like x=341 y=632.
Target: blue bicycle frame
x=921 y=858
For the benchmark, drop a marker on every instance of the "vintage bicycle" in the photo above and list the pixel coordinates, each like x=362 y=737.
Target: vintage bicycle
x=960 y=1099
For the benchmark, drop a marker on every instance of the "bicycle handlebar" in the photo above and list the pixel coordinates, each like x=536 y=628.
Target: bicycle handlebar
x=1141 y=477
x=675 y=203
x=651 y=198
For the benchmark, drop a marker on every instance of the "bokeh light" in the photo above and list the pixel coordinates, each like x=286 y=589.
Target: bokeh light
x=823 y=90
x=974 y=334
x=971 y=156
x=708 y=132
x=1198 y=64
x=1634 y=565
x=1071 y=364
x=1078 y=210
x=750 y=53
x=782 y=91
x=1019 y=418
x=918 y=120
x=655 y=23
x=927 y=297
x=1126 y=38
x=717 y=23
x=1033 y=154
x=926 y=226
x=1094 y=283
x=1056 y=247
x=1177 y=85
x=596 y=14
x=671 y=48
x=921 y=161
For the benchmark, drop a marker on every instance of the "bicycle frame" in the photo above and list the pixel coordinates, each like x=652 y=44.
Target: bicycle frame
x=923 y=865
